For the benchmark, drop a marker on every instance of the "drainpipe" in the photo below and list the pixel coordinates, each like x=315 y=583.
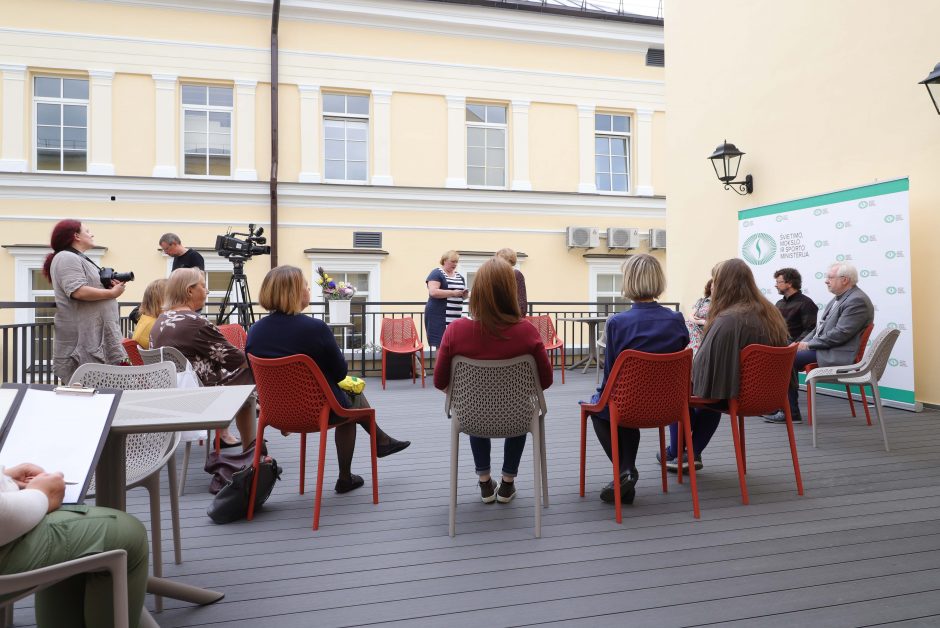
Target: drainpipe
x=275 y=17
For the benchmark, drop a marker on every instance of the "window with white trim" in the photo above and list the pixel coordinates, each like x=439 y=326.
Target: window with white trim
x=350 y=339
x=612 y=152
x=61 y=115
x=345 y=138
x=605 y=285
x=486 y=145
x=364 y=272
x=207 y=130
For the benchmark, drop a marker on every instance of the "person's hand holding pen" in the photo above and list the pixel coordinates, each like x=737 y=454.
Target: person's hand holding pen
x=53 y=485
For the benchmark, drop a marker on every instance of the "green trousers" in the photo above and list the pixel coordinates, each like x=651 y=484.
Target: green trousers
x=73 y=532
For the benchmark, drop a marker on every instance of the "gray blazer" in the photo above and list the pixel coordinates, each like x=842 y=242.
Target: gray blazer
x=838 y=333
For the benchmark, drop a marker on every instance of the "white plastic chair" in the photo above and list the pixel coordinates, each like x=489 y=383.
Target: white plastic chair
x=600 y=343
x=497 y=399
x=21 y=585
x=868 y=372
x=147 y=454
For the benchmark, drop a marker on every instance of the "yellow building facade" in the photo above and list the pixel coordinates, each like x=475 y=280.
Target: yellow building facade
x=821 y=96
x=406 y=129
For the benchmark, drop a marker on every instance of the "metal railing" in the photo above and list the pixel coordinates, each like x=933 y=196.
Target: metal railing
x=26 y=348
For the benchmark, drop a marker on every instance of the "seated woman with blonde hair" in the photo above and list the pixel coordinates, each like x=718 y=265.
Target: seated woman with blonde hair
x=150 y=308
x=215 y=360
x=288 y=331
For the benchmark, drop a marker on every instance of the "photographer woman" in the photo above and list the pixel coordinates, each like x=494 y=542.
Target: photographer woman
x=87 y=322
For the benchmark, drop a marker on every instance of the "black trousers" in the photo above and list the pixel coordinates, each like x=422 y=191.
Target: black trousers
x=628 y=442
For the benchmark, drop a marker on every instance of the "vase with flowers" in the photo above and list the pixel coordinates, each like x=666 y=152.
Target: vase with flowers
x=338 y=296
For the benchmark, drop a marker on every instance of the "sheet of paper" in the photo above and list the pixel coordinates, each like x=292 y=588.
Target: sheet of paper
x=59 y=433
x=7 y=396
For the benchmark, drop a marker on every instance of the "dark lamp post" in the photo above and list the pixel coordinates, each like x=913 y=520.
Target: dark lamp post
x=932 y=83
x=726 y=160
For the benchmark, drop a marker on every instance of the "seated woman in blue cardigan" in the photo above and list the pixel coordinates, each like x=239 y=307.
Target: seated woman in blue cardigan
x=287 y=331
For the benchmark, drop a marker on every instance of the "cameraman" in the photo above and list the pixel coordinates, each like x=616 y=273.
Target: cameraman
x=182 y=257
x=87 y=322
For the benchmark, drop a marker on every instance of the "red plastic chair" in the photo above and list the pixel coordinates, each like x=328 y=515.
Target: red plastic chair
x=549 y=338
x=235 y=334
x=866 y=333
x=133 y=351
x=295 y=397
x=399 y=335
x=646 y=390
x=764 y=382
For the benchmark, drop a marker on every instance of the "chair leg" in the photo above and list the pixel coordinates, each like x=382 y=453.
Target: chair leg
x=373 y=446
x=562 y=363
x=792 y=438
x=690 y=452
x=156 y=548
x=544 y=462
x=583 y=448
x=303 y=460
x=876 y=398
x=615 y=450
x=679 y=447
x=810 y=401
x=321 y=467
x=175 y=510
x=743 y=443
x=421 y=360
x=185 y=470
x=454 y=453
x=384 y=355
x=848 y=395
x=537 y=476
x=662 y=457
x=6 y=616
x=413 y=369
x=736 y=436
x=255 y=463
x=861 y=390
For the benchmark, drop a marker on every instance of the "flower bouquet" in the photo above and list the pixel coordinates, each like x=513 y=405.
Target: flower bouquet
x=333 y=290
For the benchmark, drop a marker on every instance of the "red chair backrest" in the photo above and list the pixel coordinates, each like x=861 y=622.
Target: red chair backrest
x=399 y=333
x=863 y=342
x=235 y=334
x=293 y=394
x=133 y=351
x=765 y=378
x=648 y=389
x=546 y=328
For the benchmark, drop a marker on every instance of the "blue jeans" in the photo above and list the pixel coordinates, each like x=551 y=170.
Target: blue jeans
x=704 y=423
x=512 y=454
x=807 y=356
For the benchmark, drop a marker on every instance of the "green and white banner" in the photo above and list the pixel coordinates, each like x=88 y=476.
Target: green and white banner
x=865 y=226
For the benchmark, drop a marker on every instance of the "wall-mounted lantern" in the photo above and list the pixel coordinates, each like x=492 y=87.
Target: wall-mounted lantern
x=726 y=160
x=932 y=83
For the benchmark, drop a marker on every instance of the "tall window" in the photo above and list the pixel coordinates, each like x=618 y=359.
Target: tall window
x=41 y=291
x=346 y=137
x=486 y=145
x=61 y=124
x=207 y=130
x=612 y=152
x=354 y=338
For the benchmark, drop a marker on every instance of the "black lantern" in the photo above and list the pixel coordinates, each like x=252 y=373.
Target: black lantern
x=726 y=160
x=932 y=83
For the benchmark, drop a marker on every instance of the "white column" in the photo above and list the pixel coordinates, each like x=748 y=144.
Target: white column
x=520 y=146
x=309 y=134
x=245 y=130
x=13 y=116
x=382 y=137
x=165 y=126
x=100 y=123
x=643 y=136
x=586 y=149
x=456 y=142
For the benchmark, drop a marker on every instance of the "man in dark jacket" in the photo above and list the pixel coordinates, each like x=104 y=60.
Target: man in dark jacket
x=799 y=311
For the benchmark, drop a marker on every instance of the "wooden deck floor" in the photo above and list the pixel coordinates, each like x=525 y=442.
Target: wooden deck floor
x=862 y=547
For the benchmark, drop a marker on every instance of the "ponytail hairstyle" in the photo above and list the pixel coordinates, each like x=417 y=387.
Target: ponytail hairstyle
x=63 y=234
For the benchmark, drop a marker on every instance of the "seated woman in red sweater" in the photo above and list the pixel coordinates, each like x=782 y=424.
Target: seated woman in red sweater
x=496 y=332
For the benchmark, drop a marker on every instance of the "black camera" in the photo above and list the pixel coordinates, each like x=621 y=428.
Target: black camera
x=229 y=245
x=109 y=275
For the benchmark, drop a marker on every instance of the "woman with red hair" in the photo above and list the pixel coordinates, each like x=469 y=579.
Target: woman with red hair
x=87 y=322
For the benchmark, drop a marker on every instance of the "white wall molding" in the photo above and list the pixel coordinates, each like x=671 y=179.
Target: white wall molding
x=586 y=183
x=100 y=101
x=382 y=137
x=456 y=142
x=13 y=119
x=644 y=152
x=244 y=128
x=520 y=146
x=165 y=125
x=309 y=133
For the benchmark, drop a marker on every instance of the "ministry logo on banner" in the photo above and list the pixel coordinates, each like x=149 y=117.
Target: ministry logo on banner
x=759 y=249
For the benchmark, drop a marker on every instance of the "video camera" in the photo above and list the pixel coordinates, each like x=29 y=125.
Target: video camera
x=230 y=246
x=109 y=275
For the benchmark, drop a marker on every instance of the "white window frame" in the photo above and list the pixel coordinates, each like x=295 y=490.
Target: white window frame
x=629 y=150
x=346 y=118
x=347 y=263
x=30 y=258
x=208 y=108
x=487 y=125
x=37 y=100
x=597 y=268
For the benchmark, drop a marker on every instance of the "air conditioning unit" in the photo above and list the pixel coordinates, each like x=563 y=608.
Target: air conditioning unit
x=657 y=238
x=583 y=237
x=623 y=238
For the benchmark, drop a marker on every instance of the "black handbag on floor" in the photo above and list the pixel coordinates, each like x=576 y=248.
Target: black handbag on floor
x=231 y=502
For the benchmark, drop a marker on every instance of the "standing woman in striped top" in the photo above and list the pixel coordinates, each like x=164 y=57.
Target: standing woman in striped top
x=447 y=290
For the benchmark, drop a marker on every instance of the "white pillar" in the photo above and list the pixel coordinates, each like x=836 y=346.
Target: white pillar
x=100 y=122
x=165 y=126
x=309 y=134
x=520 y=146
x=13 y=117
x=643 y=136
x=456 y=142
x=586 y=182
x=245 y=130
x=382 y=137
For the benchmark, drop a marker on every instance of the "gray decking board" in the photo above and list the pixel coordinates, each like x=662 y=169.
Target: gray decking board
x=861 y=547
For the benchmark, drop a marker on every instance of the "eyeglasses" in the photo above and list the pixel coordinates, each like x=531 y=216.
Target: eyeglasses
x=780 y=282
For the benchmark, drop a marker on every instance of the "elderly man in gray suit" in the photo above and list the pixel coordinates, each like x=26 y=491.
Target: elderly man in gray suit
x=835 y=340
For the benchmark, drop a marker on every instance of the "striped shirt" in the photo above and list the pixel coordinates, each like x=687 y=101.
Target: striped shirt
x=454 y=304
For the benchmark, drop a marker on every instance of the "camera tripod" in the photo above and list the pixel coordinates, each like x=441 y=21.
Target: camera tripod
x=237 y=298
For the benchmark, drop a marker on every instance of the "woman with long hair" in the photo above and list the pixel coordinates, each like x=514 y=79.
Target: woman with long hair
x=497 y=331
x=285 y=293
x=739 y=316
x=150 y=308
x=87 y=321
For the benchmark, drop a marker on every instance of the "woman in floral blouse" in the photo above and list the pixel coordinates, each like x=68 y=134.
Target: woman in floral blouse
x=215 y=361
x=696 y=323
